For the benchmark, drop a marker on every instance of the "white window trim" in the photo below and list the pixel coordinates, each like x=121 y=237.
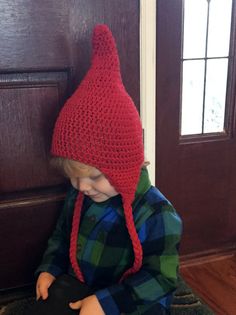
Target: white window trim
x=148 y=81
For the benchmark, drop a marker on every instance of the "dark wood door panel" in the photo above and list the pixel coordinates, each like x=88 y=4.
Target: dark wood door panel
x=26 y=224
x=29 y=105
x=57 y=33
x=34 y=34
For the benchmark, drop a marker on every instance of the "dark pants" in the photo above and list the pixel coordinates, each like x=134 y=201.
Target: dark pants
x=67 y=289
x=64 y=290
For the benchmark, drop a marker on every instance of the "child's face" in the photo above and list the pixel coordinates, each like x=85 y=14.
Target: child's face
x=89 y=180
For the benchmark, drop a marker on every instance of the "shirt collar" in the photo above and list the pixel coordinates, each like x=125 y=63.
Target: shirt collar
x=143 y=186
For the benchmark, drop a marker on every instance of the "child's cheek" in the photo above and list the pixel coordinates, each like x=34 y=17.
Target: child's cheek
x=74 y=183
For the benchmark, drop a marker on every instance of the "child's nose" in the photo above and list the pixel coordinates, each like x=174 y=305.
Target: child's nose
x=83 y=185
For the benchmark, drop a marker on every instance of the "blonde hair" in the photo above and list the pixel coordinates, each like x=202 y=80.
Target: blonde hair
x=62 y=164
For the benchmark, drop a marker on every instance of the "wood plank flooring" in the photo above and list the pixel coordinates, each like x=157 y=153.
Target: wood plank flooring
x=214 y=281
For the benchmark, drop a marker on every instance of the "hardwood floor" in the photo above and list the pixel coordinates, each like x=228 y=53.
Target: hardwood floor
x=213 y=280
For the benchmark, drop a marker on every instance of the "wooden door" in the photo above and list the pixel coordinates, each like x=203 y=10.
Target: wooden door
x=198 y=175
x=45 y=52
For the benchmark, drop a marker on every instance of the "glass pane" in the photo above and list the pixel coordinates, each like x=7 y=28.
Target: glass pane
x=219 y=28
x=192 y=97
x=216 y=80
x=195 y=24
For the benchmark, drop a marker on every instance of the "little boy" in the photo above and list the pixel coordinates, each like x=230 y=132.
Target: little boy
x=117 y=234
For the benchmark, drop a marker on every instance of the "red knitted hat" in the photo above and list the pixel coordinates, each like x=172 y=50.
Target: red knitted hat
x=99 y=125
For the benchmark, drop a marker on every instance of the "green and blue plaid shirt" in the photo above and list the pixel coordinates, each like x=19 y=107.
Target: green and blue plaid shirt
x=105 y=249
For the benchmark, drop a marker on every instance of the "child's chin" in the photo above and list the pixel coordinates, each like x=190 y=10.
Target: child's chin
x=99 y=198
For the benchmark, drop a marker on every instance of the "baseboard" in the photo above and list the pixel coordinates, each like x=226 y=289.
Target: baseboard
x=207 y=256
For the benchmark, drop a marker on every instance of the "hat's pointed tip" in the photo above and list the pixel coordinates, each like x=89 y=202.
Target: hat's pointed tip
x=103 y=39
x=101 y=29
x=104 y=47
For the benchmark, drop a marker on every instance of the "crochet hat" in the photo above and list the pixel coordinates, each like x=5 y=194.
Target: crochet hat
x=99 y=125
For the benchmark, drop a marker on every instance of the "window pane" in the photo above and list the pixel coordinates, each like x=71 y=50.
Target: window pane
x=192 y=97
x=219 y=28
x=195 y=24
x=216 y=80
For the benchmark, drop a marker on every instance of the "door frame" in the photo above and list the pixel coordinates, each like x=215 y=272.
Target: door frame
x=148 y=81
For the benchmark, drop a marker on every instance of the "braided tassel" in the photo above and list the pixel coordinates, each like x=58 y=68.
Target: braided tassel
x=74 y=237
x=137 y=247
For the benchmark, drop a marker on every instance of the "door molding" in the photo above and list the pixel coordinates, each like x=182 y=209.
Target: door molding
x=148 y=81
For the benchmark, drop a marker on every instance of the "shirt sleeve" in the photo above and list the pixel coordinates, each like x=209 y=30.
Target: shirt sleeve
x=56 y=257
x=156 y=281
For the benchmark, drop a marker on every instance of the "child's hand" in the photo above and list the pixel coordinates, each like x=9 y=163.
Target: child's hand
x=89 y=305
x=44 y=281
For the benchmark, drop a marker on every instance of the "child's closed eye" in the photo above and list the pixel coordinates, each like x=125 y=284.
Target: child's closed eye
x=96 y=177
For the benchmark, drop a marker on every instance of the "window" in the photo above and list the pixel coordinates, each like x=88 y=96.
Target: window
x=205 y=66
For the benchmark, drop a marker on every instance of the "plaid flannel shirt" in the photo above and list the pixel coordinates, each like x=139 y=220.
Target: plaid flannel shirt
x=105 y=249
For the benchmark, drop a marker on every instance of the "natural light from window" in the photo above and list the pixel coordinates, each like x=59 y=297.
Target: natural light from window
x=206 y=37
